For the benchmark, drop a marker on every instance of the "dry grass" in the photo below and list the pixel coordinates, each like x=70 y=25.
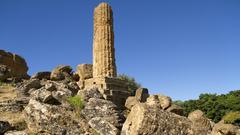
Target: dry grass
x=16 y=119
x=7 y=92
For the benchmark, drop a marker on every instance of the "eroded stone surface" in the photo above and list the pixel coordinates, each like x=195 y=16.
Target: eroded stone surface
x=89 y=93
x=225 y=129
x=201 y=124
x=103 y=127
x=104 y=109
x=152 y=120
x=61 y=72
x=16 y=65
x=103 y=42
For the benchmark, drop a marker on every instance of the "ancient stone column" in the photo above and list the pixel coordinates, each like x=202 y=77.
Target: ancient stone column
x=103 y=42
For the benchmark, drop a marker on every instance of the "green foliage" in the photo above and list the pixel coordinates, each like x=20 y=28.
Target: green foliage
x=132 y=84
x=78 y=104
x=215 y=106
x=232 y=118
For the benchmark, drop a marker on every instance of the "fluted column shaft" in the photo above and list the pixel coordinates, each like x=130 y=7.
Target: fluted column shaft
x=103 y=42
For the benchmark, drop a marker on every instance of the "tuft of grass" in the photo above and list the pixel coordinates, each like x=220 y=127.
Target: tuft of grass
x=232 y=118
x=77 y=102
x=95 y=132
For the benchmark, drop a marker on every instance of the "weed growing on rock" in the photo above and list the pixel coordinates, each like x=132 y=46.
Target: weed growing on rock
x=78 y=104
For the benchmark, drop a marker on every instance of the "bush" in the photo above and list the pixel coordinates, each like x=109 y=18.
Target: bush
x=132 y=84
x=77 y=103
x=213 y=105
x=232 y=118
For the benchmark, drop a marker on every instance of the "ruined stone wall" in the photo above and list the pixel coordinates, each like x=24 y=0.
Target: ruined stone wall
x=103 y=42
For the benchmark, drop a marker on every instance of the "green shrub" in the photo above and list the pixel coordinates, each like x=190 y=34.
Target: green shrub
x=213 y=105
x=132 y=84
x=77 y=103
x=232 y=118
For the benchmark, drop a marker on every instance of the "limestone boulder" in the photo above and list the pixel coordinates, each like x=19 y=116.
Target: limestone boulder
x=165 y=101
x=225 y=129
x=62 y=94
x=147 y=119
x=51 y=119
x=55 y=92
x=130 y=102
x=175 y=109
x=44 y=96
x=85 y=71
x=24 y=88
x=159 y=100
x=4 y=126
x=17 y=65
x=104 y=109
x=201 y=124
x=153 y=100
x=42 y=75
x=88 y=93
x=61 y=72
x=103 y=127
x=142 y=94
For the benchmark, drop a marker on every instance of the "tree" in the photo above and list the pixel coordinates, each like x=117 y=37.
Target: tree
x=132 y=84
x=215 y=106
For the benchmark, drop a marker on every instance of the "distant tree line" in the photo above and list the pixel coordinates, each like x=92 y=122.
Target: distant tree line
x=215 y=106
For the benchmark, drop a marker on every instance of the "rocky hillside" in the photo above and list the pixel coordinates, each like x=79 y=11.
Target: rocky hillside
x=52 y=103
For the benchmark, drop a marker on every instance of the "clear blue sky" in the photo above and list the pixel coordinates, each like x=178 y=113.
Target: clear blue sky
x=179 y=48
